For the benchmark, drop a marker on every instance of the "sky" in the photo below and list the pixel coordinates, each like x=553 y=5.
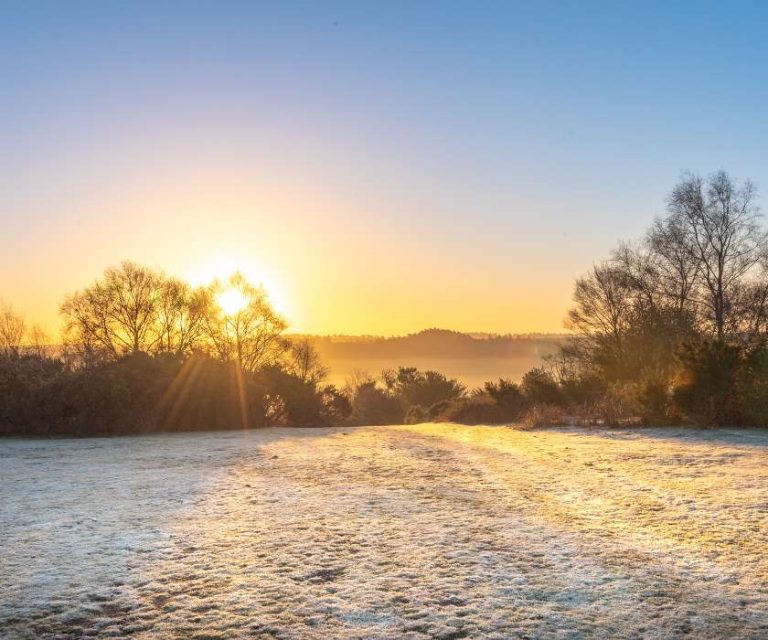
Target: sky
x=381 y=167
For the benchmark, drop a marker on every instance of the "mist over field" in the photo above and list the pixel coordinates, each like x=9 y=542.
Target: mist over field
x=473 y=359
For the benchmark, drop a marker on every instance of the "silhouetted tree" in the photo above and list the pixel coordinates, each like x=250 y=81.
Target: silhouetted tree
x=699 y=275
x=304 y=362
x=602 y=315
x=720 y=223
x=38 y=342
x=420 y=388
x=180 y=316
x=251 y=335
x=117 y=315
x=12 y=328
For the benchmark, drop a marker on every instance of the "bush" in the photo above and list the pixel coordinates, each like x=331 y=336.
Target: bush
x=372 y=405
x=584 y=389
x=421 y=388
x=754 y=388
x=336 y=405
x=618 y=405
x=653 y=403
x=508 y=395
x=709 y=387
x=26 y=386
x=546 y=415
x=140 y=393
x=416 y=415
x=478 y=409
x=292 y=400
x=540 y=388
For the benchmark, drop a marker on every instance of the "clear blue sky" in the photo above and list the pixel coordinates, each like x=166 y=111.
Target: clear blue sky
x=467 y=159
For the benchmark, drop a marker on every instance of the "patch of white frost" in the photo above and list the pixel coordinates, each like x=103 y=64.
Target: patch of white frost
x=427 y=531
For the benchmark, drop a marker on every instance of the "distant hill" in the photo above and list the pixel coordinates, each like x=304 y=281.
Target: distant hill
x=473 y=358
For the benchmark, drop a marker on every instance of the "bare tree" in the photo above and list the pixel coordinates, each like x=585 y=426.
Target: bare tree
x=248 y=333
x=603 y=310
x=304 y=361
x=38 y=342
x=638 y=266
x=720 y=222
x=118 y=314
x=670 y=242
x=749 y=303
x=180 y=316
x=12 y=328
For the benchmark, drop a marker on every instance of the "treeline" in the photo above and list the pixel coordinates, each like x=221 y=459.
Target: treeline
x=143 y=352
x=670 y=329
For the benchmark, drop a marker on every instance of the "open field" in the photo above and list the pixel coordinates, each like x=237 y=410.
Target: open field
x=428 y=531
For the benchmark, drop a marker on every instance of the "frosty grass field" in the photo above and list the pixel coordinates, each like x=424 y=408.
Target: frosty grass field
x=428 y=531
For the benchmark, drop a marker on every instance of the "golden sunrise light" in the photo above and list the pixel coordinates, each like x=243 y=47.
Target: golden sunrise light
x=232 y=301
x=381 y=320
x=223 y=266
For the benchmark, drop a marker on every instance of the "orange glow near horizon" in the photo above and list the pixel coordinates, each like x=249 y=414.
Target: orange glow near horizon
x=328 y=298
x=336 y=251
x=324 y=268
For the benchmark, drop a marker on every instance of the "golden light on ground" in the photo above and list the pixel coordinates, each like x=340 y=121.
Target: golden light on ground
x=232 y=301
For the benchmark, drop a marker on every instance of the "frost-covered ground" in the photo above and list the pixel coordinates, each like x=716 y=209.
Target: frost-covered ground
x=429 y=531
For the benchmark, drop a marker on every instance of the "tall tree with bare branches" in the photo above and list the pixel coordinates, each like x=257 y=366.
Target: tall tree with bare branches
x=12 y=329
x=118 y=314
x=720 y=222
x=249 y=333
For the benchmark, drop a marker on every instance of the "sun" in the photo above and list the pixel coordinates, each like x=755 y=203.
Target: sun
x=220 y=268
x=231 y=301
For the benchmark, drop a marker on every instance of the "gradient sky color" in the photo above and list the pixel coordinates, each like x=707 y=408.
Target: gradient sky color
x=382 y=167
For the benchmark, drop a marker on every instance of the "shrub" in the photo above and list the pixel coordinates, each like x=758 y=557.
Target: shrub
x=584 y=389
x=653 y=402
x=372 y=405
x=712 y=374
x=421 y=388
x=618 y=405
x=477 y=409
x=26 y=385
x=293 y=399
x=540 y=388
x=546 y=415
x=415 y=415
x=508 y=395
x=141 y=393
x=336 y=405
x=755 y=388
